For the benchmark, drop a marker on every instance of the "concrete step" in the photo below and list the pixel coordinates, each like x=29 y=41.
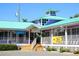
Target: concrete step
x=27 y=47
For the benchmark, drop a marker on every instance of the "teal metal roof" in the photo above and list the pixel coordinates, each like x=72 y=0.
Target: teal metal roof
x=28 y=25
x=53 y=18
x=64 y=22
x=16 y=25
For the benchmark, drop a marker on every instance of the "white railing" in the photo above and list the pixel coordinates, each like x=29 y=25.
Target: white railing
x=34 y=43
x=73 y=42
x=46 y=40
x=76 y=42
x=12 y=42
x=3 y=41
x=73 y=45
x=7 y=41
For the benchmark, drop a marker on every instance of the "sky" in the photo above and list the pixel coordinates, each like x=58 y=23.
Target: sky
x=32 y=11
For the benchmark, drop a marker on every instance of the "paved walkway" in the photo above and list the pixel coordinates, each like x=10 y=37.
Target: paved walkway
x=44 y=53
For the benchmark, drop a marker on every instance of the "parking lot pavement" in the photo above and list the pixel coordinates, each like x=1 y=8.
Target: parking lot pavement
x=33 y=53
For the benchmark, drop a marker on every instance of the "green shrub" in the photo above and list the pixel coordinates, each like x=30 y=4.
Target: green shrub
x=54 y=49
x=62 y=49
x=76 y=52
x=49 y=48
x=4 y=47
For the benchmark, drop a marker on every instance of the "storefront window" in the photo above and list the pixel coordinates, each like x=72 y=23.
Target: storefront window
x=68 y=31
x=74 y=31
x=45 y=33
x=13 y=35
x=59 y=32
x=77 y=31
x=1 y=35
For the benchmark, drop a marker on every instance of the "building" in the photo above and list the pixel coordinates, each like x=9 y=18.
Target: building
x=16 y=32
x=55 y=31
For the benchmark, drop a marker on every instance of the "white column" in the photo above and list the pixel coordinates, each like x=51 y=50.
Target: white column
x=51 y=36
x=41 y=36
x=29 y=37
x=41 y=21
x=8 y=38
x=17 y=38
x=11 y=35
x=41 y=31
x=76 y=32
x=66 y=38
x=71 y=32
x=3 y=35
x=24 y=37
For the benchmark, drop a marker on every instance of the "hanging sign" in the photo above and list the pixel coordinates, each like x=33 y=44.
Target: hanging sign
x=57 y=39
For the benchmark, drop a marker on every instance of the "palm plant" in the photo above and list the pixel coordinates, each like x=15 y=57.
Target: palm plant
x=75 y=16
x=24 y=20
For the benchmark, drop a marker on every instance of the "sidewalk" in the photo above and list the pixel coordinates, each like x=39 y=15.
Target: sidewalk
x=32 y=53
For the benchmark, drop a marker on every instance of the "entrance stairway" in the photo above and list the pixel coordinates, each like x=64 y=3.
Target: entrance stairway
x=28 y=47
x=32 y=47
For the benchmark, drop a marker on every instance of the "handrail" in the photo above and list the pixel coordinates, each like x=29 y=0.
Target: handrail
x=34 y=43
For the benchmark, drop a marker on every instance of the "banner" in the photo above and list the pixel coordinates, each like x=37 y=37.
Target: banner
x=57 y=39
